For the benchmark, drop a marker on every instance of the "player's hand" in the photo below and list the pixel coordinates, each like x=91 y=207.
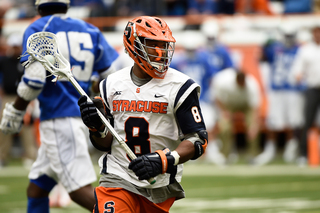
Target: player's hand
x=153 y=164
x=12 y=118
x=89 y=114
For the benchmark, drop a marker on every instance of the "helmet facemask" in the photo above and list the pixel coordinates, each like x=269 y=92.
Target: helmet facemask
x=159 y=60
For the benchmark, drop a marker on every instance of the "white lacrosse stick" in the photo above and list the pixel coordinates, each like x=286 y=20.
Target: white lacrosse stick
x=43 y=47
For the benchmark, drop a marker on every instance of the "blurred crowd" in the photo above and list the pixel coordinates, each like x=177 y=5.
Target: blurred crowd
x=101 y=8
x=231 y=96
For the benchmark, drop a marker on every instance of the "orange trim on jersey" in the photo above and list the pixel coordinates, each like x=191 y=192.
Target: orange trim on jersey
x=164 y=160
x=121 y=200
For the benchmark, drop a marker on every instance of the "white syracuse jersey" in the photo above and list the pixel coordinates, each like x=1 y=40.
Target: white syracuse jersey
x=145 y=117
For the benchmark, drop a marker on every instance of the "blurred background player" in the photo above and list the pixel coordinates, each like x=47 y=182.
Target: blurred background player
x=219 y=58
x=11 y=71
x=196 y=63
x=306 y=71
x=131 y=97
x=219 y=54
x=285 y=101
x=63 y=154
x=237 y=92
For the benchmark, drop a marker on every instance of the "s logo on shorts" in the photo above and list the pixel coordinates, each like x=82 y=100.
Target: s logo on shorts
x=109 y=207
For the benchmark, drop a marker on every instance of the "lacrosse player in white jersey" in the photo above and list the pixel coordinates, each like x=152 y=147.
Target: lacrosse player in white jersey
x=63 y=155
x=156 y=110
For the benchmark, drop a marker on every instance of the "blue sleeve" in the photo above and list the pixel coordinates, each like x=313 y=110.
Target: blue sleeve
x=301 y=6
x=106 y=54
x=268 y=53
x=227 y=61
x=192 y=4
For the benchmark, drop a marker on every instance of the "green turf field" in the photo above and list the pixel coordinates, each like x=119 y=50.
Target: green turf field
x=209 y=189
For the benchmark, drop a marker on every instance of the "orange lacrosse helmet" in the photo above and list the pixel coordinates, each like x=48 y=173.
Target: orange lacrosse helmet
x=135 y=37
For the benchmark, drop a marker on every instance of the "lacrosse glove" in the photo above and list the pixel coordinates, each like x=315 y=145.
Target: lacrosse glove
x=153 y=164
x=12 y=119
x=90 y=116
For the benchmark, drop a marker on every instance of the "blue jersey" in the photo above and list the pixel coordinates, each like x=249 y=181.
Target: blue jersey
x=197 y=68
x=86 y=49
x=280 y=59
x=219 y=57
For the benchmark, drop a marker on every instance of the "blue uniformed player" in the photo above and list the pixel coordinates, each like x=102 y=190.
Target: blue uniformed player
x=284 y=98
x=219 y=54
x=63 y=155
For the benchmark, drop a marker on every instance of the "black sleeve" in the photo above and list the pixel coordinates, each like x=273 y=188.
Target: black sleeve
x=188 y=114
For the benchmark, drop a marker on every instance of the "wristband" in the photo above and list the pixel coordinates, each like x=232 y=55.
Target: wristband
x=164 y=161
x=176 y=157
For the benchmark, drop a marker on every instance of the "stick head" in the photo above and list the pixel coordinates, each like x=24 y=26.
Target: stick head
x=43 y=47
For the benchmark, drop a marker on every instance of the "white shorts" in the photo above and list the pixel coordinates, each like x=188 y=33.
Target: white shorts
x=209 y=115
x=285 y=110
x=63 y=154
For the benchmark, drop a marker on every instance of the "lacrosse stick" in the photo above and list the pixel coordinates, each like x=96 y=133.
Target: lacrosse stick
x=43 y=47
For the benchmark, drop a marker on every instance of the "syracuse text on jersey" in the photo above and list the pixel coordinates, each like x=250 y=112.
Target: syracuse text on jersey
x=139 y=106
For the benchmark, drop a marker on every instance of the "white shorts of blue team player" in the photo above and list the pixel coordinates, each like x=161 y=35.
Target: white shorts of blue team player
x=285 y=109
x=209 y=114
x=63 y=154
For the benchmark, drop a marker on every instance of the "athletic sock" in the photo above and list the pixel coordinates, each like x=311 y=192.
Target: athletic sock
x=38 y=205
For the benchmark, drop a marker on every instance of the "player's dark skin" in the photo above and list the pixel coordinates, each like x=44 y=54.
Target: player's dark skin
x=185 y=148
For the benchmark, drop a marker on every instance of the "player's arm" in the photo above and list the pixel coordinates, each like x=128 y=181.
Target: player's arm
x=191 y=122
x=192 y=147
x=28 y=89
